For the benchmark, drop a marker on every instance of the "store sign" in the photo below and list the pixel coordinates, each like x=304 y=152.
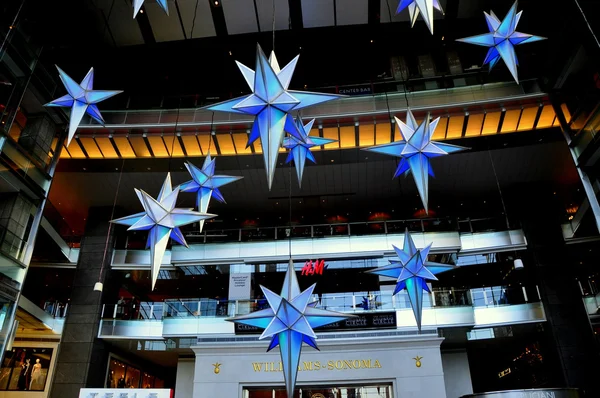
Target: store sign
x=331 y=365
x=125 y=393
x=314 y=268
x=239 y=286
x=356 y=90
x=371 y=320
x=534 y=393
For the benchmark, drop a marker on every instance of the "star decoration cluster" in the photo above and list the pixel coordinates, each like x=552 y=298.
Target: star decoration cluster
x=423 y=7
x=289 y=322
x=206 y=184
x=300 y=147
x=415 y=150
x=162 y=219
x=412 y=271
x=82 y=99
x=502 y=39
x=271 y=103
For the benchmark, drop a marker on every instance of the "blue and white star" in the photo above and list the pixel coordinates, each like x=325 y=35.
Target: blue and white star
x=82 y=99
x=423 y=7
x=271 y=103
x=415 y=149
x=412 y=271
x=206 y=184
x=137 y=4
x=502 y=39
x=300 y=147
x=163 y=220
x=289 y=322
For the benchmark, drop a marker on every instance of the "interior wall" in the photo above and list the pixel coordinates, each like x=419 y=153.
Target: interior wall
x=184 y=381
x=457 y=375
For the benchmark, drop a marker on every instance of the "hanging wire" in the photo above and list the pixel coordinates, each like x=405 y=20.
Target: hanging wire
x=112 y=215
x=11 y=27
x=404 y=78
x=210 y=133
x=273 y=25
x=587 y=22
x=499 y=190
x=174 y=134
x=194 y=20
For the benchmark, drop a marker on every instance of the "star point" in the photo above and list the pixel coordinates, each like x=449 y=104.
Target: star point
x=271 y=103
x=412 y=271
x=206 y=184
x=289 y=322
x=162 y=219
x=300 y=147
x=502 y=38
x=415 y=150
x=137 y=5
x=422 y=7
x=82 y=99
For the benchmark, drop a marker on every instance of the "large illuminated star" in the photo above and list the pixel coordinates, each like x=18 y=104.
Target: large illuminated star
x=162 y=220
x=423 y=7
x=270 y=103
x=415 y=149
x=502 y=39
x=412 y=271
x=137 y=4
x=289 y=322
x=300 y=147
x=206 y=184
x=82 y=99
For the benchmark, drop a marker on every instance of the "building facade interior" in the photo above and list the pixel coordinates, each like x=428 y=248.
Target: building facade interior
x=89 y=306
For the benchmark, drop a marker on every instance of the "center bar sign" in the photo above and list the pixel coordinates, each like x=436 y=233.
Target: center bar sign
x=370 y=320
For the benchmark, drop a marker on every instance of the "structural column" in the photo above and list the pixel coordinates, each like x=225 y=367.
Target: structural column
x=82 y=357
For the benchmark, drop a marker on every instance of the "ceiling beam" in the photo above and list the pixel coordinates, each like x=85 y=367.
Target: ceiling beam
x=295 y=7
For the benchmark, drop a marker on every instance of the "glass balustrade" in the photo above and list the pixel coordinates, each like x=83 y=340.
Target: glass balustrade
x=358 y=302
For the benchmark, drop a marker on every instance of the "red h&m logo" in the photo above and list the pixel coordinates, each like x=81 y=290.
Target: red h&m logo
x=314 y=268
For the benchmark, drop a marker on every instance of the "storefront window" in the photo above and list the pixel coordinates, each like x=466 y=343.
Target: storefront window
x=132 y=377
x=373 y=391
x=123 y=375
x=147 y=381
x=116 y=374
x=25 y=369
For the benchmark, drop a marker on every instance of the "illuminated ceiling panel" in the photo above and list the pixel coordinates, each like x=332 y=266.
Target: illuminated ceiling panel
x=172 y=145
x=383 y=133
x=240 y=140
x=455 y=126
x=347 y=137
x=317 y=13
x=565 y=110
x=139 y=146
x=547 y=117
x=511 y=119
x=207 y=144
x=474 y=125
x=257 y=146
x=366 y=135
x=240 y=17
x=490 y=125
x=440 y=131
x=353 y=12
x=75 y=151
x=124 y=147
x=90 y=147
x=106 y=147
x=331 y=133
x=158 y=146
x=191 y=145
x=527 y=118
x=225 y=144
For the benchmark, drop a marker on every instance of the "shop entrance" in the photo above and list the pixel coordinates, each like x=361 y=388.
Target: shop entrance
x=348 y=391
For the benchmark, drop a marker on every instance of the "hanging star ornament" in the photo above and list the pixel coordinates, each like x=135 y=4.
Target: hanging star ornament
x=412 y=271
x=206 y=184
x=416 y=149
x=137 y=5
x=423 y=7
x=162 y=219
x=300 y=147
x=289 y=322
x=271 y=103
x=82 y=99
x=502 y=39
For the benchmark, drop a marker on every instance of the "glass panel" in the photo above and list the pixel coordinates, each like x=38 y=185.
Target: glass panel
x=25 y=369
x=371 y=391
x=116 y=374
x=147 y=381
x=132 y=377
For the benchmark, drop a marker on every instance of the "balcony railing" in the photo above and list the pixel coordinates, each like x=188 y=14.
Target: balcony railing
x=484 y=297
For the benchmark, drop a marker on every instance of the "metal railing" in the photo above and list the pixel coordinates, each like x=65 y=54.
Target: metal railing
x=210 y=234
x=341 y=302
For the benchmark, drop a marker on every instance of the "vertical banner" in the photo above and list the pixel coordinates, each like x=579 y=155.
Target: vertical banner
x=239 y=286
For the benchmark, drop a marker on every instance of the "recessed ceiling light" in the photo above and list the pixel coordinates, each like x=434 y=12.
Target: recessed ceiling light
x=141 y=11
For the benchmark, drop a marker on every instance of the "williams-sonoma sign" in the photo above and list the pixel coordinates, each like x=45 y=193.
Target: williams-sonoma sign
x=345 y=364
